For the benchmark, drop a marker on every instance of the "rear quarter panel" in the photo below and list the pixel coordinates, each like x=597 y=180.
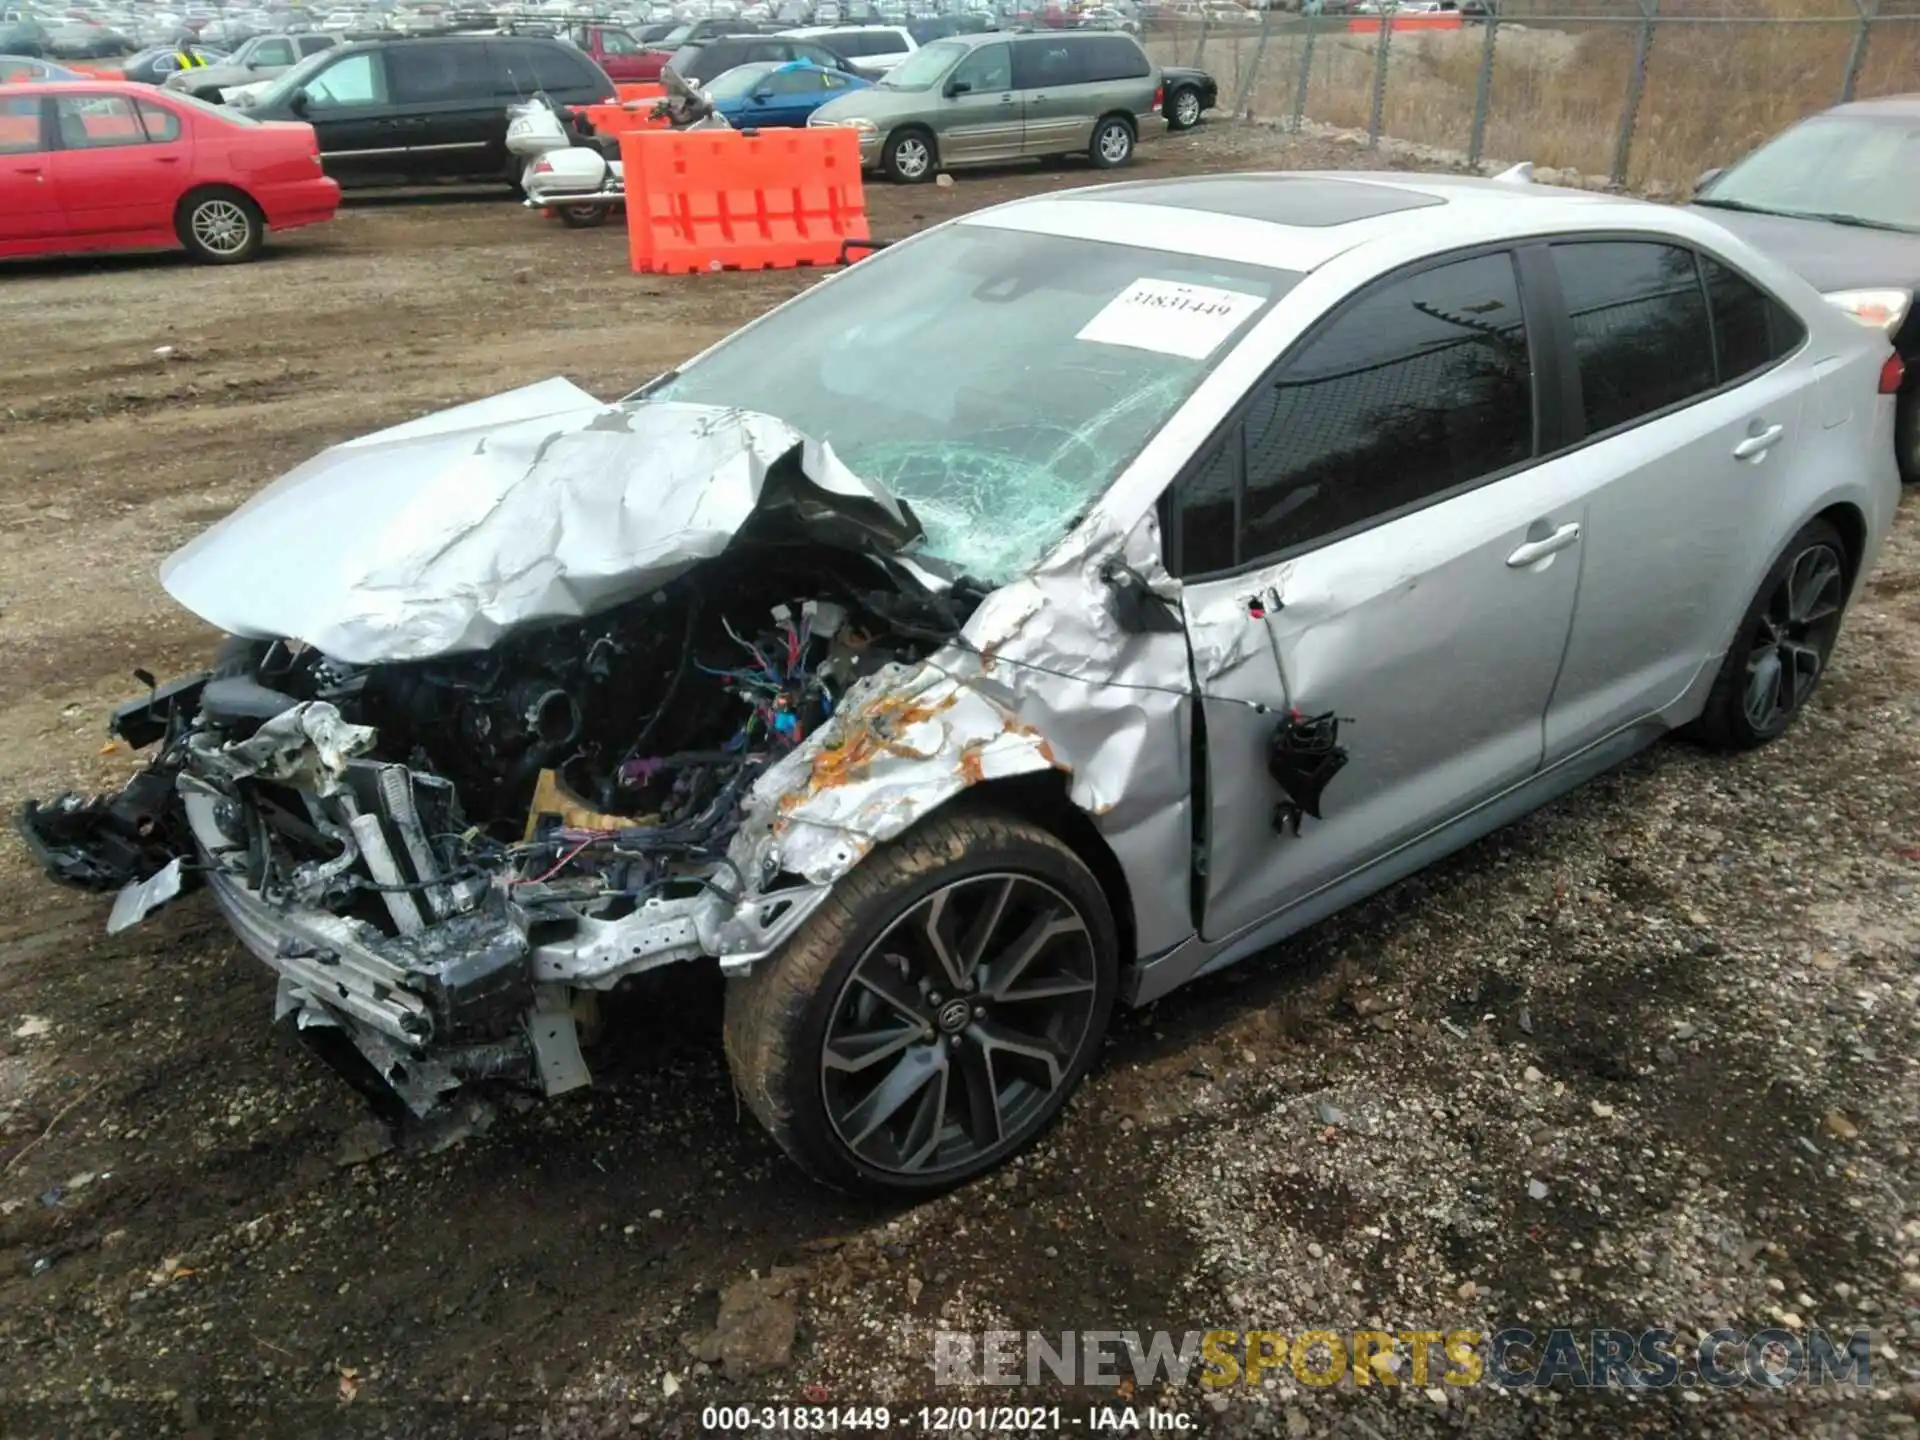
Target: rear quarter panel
x=1846 y=454
x=275 y=165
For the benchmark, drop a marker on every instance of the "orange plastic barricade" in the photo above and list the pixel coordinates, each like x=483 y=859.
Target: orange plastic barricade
x=721 y=200
x=1419 y=20
x=641 y=90
x=618 y=120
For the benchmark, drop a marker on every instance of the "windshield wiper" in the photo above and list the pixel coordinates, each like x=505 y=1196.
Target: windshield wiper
x=1857 y=221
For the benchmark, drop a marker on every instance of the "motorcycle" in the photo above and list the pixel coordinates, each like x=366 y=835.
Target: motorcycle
x=573 y=169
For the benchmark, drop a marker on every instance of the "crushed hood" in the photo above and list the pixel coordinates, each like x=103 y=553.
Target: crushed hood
x=441 y=535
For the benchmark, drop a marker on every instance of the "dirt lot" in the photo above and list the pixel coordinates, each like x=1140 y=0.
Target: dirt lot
x=1645 y=1059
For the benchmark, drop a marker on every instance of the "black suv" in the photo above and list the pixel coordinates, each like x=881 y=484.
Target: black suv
x=702 y=60
x=408 y=111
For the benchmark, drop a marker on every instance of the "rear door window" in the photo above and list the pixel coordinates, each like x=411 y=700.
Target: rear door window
x=435 y=74
x=1111 y=57
x=162 y=125
x=97 y=122
x=1640 y=332
x=314 y=44
x=820 y=55
x=1038 y=64
x=554 y=68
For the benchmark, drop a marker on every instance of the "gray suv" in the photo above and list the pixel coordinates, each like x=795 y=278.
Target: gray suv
x=969 y=99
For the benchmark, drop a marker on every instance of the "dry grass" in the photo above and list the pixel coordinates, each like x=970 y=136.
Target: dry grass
x=1713 y=90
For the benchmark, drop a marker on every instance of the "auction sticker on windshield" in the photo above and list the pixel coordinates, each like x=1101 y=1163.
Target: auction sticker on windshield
x=1172 y=318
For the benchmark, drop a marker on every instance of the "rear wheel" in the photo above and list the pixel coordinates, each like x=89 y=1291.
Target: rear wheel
x=1112 y=143
x=933 y=1016
x=1783 y=646
x=909 y=157
x=1183 y=108
x=220 y=227
x=583 y=217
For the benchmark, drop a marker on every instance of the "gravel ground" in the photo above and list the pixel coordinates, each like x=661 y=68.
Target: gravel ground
x=1640 y=1060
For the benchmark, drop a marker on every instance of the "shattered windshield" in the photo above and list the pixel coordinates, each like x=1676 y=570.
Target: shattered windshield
x=997 y=381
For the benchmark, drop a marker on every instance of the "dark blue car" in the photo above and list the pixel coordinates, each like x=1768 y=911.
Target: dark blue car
x=777 y=92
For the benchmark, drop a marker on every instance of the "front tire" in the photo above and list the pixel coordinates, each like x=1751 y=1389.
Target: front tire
x=1112 y=143
x=910 y=158
x=1783 y=645
x=933 y=1016
x=1183 y=108
x=220 y=227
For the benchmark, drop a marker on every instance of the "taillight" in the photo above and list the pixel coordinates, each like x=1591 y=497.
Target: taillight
x=1893 y=374
x=1159 y=97
x=543 y=166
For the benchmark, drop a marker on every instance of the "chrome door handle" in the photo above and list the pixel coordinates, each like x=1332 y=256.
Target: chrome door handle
x=1759 y=444
x=1536 y=550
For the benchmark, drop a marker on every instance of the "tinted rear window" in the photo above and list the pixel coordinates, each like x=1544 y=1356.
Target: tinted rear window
x=865 y=42
x=530 y=65
x=1077 y=60
x=422 y=74
x=1640 y=327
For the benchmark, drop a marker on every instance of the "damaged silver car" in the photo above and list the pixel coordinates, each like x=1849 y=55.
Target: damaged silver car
x=1057 y=606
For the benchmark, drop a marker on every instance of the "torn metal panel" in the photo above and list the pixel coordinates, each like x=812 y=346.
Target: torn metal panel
x=442 y=535
x=1042 y=678
x=307 y=746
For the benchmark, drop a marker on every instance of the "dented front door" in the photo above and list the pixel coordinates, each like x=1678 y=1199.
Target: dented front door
x=1420 y=589
x=1436 y=654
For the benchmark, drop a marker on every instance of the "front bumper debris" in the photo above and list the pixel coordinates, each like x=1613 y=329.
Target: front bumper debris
x=436 y=974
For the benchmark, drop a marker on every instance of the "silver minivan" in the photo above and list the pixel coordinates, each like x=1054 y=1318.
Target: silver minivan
x=970 y=99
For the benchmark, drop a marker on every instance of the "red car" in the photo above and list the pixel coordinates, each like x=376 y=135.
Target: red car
x=105 y=165
x=614 y=50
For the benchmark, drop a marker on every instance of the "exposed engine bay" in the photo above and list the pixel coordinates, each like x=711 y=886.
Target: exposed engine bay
x=422 y=848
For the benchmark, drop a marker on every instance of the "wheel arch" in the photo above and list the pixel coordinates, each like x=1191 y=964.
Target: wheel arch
x=1125 y=117
x=1042 y=797
x=200 y=189
x=912 y=127
x=1846 y=517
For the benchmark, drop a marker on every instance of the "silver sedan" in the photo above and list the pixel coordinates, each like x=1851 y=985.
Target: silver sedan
x=1067 y=602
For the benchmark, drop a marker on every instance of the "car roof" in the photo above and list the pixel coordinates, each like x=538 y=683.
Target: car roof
x=1299 y=221
x=1884 y=107
x=86 y=82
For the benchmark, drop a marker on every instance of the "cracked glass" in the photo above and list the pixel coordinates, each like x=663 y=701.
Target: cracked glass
x=953 y=372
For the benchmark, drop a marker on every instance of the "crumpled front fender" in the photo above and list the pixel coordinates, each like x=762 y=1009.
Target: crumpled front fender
x=903 y=742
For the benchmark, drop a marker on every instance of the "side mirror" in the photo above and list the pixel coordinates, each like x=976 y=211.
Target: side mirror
x=958 y=87
x=1138 y=608
x=297 y=102
x=760 y=97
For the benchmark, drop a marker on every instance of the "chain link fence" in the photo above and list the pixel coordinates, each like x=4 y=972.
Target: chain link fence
x=1645 y=94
